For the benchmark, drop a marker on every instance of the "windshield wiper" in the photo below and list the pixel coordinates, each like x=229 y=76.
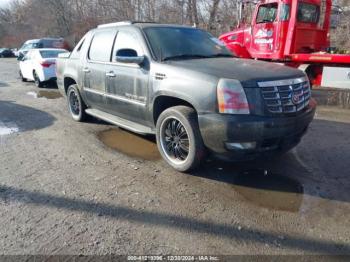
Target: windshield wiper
x=185 y=56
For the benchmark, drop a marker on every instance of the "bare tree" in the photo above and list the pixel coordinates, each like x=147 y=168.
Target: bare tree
x=71 y=19
x=212 y=14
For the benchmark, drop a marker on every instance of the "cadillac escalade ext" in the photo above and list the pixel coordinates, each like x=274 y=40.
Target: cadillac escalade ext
x=182 y=84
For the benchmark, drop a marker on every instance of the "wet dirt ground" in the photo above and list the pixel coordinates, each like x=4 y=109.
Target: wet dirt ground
x=91 y=188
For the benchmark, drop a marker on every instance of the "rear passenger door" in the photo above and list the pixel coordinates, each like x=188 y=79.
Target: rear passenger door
x=94 y=70
x=127 y=84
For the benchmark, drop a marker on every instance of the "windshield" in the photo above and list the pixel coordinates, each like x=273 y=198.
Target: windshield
x=184 y=43
x=267 y=13
x=51 y=53
x=31 y=45
x=308 y=13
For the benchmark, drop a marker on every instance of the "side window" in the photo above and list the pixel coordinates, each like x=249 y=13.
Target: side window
x=308 y=13
x=267 y=13
x=128 y=40
x=101 y=46
x=76 y=52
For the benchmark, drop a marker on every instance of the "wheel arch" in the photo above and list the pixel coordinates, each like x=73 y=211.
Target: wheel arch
x=67 y=82
x=165 y=101
x=314 y=73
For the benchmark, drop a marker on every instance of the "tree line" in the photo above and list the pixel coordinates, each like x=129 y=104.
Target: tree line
x=71 y=19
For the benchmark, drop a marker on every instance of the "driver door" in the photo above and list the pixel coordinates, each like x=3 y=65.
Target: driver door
x=26 y=66
x=264 y=31
x=127 y=84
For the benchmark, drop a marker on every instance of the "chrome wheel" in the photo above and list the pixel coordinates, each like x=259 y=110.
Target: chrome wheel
x=174 y=140
x=74 y=104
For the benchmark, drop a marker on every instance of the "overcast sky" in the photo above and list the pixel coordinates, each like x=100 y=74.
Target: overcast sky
x=4 y=2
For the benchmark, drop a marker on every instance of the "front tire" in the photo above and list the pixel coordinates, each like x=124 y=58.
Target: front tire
x=37 y=81
x=178 y=138
x=21 y=76
x=76 y=105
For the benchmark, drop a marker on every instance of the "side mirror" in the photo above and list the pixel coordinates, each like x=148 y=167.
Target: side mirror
x=335 y=19
x=21 y=57
x=129 y=56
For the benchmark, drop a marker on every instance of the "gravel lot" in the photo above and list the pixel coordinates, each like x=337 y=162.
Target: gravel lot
x=91 y=188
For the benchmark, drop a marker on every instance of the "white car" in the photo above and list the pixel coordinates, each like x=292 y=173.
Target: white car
x=39 y=65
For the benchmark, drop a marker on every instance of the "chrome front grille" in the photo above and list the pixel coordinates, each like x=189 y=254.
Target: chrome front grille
x=286 y=96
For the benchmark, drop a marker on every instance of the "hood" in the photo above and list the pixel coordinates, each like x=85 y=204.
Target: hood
x=247 y=71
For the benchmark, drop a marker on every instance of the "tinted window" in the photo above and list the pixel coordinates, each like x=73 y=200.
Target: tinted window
x=167 y=42
x=50 y=53
x=101 y=46
x=52 y=43
x=267 y=13
x=37 y=45
x=126 y=39
x=308 y=13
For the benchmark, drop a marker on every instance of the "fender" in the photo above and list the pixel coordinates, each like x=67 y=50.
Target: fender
x=174 y=95
x=238 y=49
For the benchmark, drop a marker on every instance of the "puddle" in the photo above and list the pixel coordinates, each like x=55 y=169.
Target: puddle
x=8 y=128
x=271 y=191
x=45 y=94
x=130 y=144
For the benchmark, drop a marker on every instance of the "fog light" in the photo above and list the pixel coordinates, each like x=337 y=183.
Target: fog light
x=241 y=146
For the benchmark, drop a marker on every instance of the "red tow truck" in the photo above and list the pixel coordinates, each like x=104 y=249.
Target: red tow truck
x=295 y=33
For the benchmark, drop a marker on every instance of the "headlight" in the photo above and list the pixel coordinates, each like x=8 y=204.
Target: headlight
x=231 y=97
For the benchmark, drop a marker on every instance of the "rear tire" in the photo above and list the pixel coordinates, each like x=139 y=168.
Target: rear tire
x=178 y=138
x=76 y=104
x=37 y=81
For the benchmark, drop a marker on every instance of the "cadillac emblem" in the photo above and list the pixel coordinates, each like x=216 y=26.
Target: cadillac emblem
x=295 y=99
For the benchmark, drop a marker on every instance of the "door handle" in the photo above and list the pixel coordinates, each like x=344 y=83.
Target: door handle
x=86 y=70
x=111 y=74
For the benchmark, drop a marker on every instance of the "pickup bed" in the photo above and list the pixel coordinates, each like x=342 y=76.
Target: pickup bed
x=183 y=85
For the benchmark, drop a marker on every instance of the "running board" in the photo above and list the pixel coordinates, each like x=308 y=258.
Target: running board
x=121 y=122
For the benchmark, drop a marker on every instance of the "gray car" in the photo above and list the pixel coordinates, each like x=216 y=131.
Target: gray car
x=182 y=84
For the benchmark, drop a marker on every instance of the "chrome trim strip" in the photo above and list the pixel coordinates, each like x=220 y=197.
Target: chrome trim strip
x=93 y=91
x=125 y=99
x=115 y=97
x=284 y=82
x=113 y=63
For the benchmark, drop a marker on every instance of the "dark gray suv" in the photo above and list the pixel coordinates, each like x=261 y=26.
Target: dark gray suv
x=183 y=85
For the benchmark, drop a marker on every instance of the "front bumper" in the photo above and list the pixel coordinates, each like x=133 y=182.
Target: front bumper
x=272 y=135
